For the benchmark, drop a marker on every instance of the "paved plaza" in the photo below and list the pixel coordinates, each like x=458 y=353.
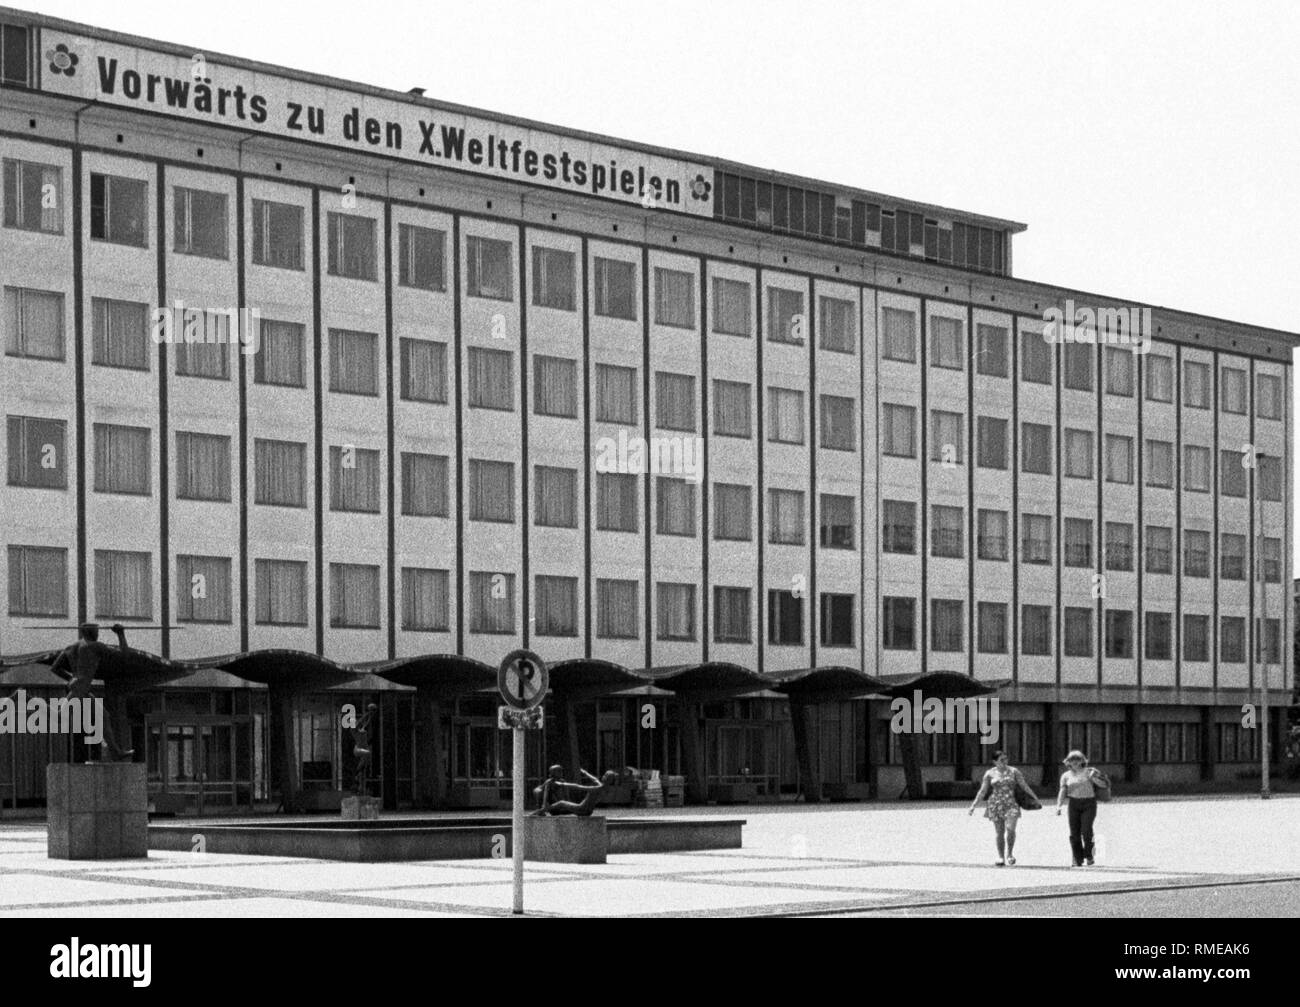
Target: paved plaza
x=1233 y=855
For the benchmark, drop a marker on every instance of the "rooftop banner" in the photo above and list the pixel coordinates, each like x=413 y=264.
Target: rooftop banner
x=206 y=91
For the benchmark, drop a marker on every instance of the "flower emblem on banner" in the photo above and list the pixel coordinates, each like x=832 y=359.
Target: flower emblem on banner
x=701 y=187
x=62 y=60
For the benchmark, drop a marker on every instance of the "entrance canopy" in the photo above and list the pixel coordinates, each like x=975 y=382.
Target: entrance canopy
x=445 y=675
x=827 y=684
x=943 y=684
x=709 y=680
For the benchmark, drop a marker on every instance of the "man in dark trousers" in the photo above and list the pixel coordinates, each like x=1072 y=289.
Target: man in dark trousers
x=78 y=664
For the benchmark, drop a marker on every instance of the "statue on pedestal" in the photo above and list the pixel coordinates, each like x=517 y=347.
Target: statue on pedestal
x=362 y=751
x=554 y=786
x=78 y=665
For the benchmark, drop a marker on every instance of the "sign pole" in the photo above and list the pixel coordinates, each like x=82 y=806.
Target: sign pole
x=1262 y=641
x=523 y=681
x=517 y=817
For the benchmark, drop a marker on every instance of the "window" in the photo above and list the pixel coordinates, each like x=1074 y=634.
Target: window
x=33 y=322
x=424 y=370
x=675 y=608
x=211 y=357
x=991 y=435
x=354 y=479
x=946 y=431
x=1268 y=396
x=119 y=210
x=37 y=452
x=354 y=596
x=785 y=408
x=837 y=620
x=421 y=252
x=1158 y=638
x=279 y=473
x=992 y=631
x=1119 y=458
x=491 y=379
x=992 y=350
x=616 y=398
x=1196 y=637
x=945 y=531
x=1232 y=639
x=1035 y=358
x=732 y=512
x=1036 y=448
x=555 y=387
x=491 y=602
x=1266 y=641
x=1232 y=390
x=554 y=272
x=616 y=502
x=1196 y=468
x=199 y=223
x=277 y=234
x=38 y=581
x=1160 y=464
x=838 y=330
x=1078 y=541
x=1232 y=556
x=1078 y=632
x=1078 y=363
x=615 y=288
x=279 y=359
x=837 y=423
x=491 y=490
x=1119 y=371
x=898 y=526
x=836 y=519
x=1196 y=385
x=947 y=345
x=731 y=404
x=122 y=460
x=1119 y=546
x=1272 y=556
x=123 y=584
x=352 y=246
x=730 y=307
x=784 y=618
x=555 y=497
x=674 y=506
x=354 y=362
x=899 y=423
x=616 y=609
x=33 y=196
x=898 y=624
x=426 y=600
x=1036 y=538
x=556 y=607
x=281 y=592
x=731 y=619
x=991 y=530
x=487 y=269
x=1119 y=634
x=1269 y=475
x=1035 y=630
x=946 y=626
x=674 y=401
x=1196 y=553
x=1160 y=378
x=120 y=334
x=203 y=589
x=1078 y=453
x=424 y=485
x=899 y=330
x=1159 y=549
x=785 y=517
x=785 y=316
x=1232 y=473
x=674 y=298
x=202 y=467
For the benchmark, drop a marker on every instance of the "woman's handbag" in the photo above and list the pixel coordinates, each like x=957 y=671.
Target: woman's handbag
x=1026 y=798
x=1101 y=786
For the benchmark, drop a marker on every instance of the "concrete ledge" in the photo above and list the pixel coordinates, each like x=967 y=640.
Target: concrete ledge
x=566 y=839
x=673 y=835
x=97 y=811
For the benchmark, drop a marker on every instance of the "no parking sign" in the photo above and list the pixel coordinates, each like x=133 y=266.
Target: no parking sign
x=523 y=679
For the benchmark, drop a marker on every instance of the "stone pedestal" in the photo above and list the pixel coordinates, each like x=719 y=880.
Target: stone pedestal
x=565 y=839
x=357 y=809
x=97 y=810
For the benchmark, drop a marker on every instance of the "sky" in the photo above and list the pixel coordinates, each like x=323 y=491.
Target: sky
x=1153 y=149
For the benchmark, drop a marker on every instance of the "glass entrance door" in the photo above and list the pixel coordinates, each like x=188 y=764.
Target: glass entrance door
x=194 y=764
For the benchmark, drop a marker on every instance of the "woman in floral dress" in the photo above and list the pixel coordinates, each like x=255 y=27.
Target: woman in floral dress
x=999 y=786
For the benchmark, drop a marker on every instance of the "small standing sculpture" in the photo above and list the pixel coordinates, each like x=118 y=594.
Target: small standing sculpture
x=555 y=785
x=361 y=749
x=78 y=664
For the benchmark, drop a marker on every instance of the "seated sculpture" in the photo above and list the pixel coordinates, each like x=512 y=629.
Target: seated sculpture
x=554 y=787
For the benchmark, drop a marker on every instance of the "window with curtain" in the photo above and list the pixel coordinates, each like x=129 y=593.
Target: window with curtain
x=280 y=355
x=424 y=370
x=1078 y=541
x=491 y=379
x=1036 y=540
x=785 y=411
x=785 y=517
x=351 y=240
x=122 y=459
x=1268 y=396
x=1119 y=546
x=674 y=401
x=674 y=506
x=210 y=358
x=281 y=590
x=554 y=272
x=1035 y=630
x=1232 y=639
x=1160 y=378
x=421 y=257
x=675 y=607
x=354 y=596
x=200 y=223
x=835 y=516
x=119 y=210
x=279 y=473
x=354 y=479
x=1232 y=388
x=616 y=609
x=37 y=452
x=898 y=623
x=674 y=298
x=555 y=495
x=898 y=526
x=786 y=322
x=33 y=196
x=1268 y=476
x=1036 y=448
x=33 y=323
x=203 y=589
x=555 y=386
x=838 y=329
x=1196 y=553
x=991 y=631
x=120 y=334
x=1078 y=632
x=1119 y=371
x=947 y=436
x=1078 y=363
x=492 y=602
x=1232 y=473
x=991 y=442
x=426 y=600
x=1196 y=637
x=838 y=423
x=898 y=332
x=731 y=409
x=1160 y=464
x=354 y=362
x=1119 y=458
x=784 y=618
x=616 y=502
x=991 y=530
x=1271 y=553
x=202 y=467
x=615 y=288
x=1232 y=556
x=556 y=607
x=491 y=490
x=947 y=343
x=424 y=484
x=946 y=538
x=946 y=626
x=731 y=618
x=1196 y=385
x=732 y=511
x=1196 y=468
x=38 y=580
x=277 y=234
x=1077 y=463
x=616 y=397
x=837 y=613
x=730 y=307
x=1035 y=357
x=899 y=430
x=488 y=273
x=991 y=350
x=123 y=584
x=1159 y=549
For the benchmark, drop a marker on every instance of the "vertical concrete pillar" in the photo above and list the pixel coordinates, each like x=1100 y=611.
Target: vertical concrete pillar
x=1207 y=743
x=697 y=791
x=911 y=766
x=430 y=771
x=1133 y=743
x=1051 y=757
x=284 y=764
x=809 y=778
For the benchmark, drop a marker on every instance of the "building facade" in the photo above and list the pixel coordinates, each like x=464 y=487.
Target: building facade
x=299 y=366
